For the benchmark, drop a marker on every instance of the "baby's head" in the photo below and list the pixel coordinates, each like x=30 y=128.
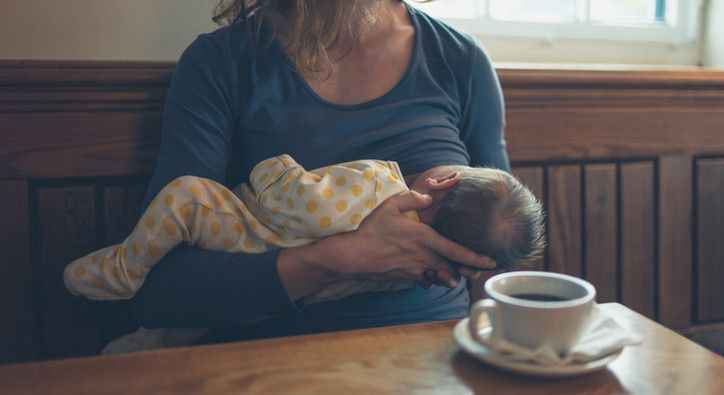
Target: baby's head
x=484 y=209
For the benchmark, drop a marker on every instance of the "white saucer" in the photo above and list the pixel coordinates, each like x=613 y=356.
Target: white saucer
x=491 y=357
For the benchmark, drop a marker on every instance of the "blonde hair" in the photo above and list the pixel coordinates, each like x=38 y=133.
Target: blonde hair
x=310 y=29
x=492 y=213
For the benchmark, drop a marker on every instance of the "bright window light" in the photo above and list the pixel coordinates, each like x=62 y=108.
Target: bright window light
x=634 y=11
x=534 y=11
x=670 y=21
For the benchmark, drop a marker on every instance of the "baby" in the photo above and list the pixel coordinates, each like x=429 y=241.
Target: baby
x=285 y=206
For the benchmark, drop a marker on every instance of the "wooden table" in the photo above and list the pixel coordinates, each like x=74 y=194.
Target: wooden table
x=418 y=359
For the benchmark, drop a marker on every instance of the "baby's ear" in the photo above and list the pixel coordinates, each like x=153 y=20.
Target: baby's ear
x=446 y=181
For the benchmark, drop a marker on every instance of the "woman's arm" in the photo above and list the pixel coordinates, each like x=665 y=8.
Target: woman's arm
x=192 y=287
x=387 y=246
x=483 y=113
x=483 y=118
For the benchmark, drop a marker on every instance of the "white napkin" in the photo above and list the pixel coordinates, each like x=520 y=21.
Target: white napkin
x=602 y=336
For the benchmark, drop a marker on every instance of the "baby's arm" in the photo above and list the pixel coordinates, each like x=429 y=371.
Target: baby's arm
x=305 y=204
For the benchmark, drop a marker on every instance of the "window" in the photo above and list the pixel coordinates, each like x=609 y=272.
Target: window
x=668 y=26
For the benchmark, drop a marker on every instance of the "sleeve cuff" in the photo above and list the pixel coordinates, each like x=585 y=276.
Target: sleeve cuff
x=276 y=288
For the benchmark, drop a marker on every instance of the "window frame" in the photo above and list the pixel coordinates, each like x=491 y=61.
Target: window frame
x=685 y=32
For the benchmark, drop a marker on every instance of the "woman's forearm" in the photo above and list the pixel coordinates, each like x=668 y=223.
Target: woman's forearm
x=308 y=269
x=196 y=288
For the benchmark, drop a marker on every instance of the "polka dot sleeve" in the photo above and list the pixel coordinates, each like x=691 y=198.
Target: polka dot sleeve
x=311 y=204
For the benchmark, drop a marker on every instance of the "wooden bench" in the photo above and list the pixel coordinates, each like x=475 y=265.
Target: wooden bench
x=630 y=166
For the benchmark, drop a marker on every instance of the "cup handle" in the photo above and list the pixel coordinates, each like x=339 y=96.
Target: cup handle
x=491 y=308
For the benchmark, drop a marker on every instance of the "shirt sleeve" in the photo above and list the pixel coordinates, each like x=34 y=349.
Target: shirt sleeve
x=192 y=287
x=306 y=205
x=483 y=113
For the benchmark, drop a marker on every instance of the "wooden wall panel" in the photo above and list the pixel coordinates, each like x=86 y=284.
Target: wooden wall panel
x=92 y=123
x=17 y=326
x=574 y=132
x=588 y=114
x=91 y=144
x=600 y=230
x=533 y=178
x=638 y=257
x=121 y=209
x=564 y=219
x=675 y=231
x=66 y=219
x=710 y=240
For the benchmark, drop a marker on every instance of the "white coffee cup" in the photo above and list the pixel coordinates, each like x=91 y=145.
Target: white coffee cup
x=517 y=314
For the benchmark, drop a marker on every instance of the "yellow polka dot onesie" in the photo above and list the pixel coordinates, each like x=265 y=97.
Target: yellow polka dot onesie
x=285 y=206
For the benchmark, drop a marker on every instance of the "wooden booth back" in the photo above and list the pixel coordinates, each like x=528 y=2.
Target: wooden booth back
x=629 y=165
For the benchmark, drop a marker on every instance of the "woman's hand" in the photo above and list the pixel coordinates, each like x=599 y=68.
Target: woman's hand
x=387 y=247
x=391 y=247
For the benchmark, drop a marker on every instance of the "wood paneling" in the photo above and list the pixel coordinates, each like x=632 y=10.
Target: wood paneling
x=600 y=230
x=85 y=134
x=90 y=144
x=575 y=114
x=710 y=240
x=547 y=133
x=564 y=219
x=638 y=257
x=121 y=210
x=17 y=326
x=675 y=230
x=533 y=179
x=66 y=223
x=76 y=119
x=83 y=86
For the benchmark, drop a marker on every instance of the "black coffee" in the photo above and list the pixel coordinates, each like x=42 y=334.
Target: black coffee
x=540 y=297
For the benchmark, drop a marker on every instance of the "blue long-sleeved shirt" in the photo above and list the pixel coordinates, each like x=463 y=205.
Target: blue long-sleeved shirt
x=229 y=107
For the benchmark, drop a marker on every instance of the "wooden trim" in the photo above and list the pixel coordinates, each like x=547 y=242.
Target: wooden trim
x=78 y=144
x=693 y=330
x=16 y=72
x=36 y=86
x=575 y=114
x=608 y=79
x=23 y=74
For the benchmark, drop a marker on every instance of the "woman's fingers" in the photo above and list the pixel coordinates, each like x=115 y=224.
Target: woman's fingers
x=391 y=247
x=428 y=279
x=408 y=201
x=456 y=252
x=446 y=278
x=470 y=273
x=442 y=246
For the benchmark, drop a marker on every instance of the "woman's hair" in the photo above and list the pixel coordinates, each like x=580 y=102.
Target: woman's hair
x=309 y=29
x=492 y=213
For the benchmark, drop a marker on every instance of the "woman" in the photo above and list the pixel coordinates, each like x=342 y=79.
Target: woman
x=326 y=82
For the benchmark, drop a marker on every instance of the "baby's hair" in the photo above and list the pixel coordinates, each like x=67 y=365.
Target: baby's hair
x=492 y=213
